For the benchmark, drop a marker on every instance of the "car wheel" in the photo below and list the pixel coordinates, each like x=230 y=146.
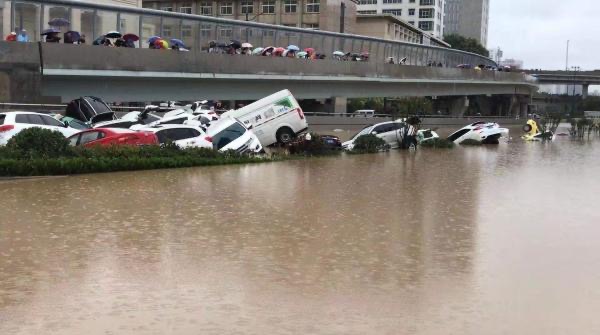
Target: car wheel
x=285 y=135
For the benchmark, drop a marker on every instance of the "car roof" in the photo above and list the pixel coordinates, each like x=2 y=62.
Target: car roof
x=168 y=126
x=222 y=124
x=23 y=112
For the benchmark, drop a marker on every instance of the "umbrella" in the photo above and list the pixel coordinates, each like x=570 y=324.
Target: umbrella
x=131 y=37
x=72 y=36
x=113 y=34
x=59 y=22
x=267 y=51
x=161 y=44
x=302 y=54
x=247 y=45
x=99 y=40
x=257 y=51
x=236 y=44
x=278 y=51
x=177 y=43
x=339 y=53
x=309 y=50
x=153 y=39
x=293 y=47
x=50 y=31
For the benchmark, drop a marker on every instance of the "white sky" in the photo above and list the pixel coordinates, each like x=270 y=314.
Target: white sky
x=536 y=31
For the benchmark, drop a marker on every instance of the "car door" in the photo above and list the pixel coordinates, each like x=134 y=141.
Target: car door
x=387 y=132
x=90 y=137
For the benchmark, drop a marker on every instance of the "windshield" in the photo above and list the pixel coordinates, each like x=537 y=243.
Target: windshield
x=364 y=131
x=76 y=124
x=228 y=135
x=98 y=105
x=150 y=118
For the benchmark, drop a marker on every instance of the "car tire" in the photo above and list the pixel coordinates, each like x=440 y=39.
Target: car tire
x=284 y=135
x=527 y=128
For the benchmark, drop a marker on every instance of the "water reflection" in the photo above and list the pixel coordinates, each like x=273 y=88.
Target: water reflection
x=380 y=244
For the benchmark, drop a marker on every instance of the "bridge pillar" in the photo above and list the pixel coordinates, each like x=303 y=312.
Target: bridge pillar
x=340 y=105
x=459 y=106
x=585 y=90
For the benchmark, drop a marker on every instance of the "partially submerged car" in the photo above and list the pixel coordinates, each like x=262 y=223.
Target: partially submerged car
x=389 y=131
x=183 y=136
x=483 y=132
x=11 y=123
x=231 y=134
x=112 y=136
x=424 y=135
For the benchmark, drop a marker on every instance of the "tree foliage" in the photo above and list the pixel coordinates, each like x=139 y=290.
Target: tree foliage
x=466 y=44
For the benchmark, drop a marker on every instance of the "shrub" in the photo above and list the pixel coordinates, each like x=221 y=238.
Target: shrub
x=369 y=144
x=438 y=143
x=470 y=142
x=37 y=142
x=315 y=147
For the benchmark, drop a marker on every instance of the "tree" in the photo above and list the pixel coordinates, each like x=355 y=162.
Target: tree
x=466 y=44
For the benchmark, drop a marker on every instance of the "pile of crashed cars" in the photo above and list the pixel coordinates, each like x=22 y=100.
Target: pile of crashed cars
x=89 y=121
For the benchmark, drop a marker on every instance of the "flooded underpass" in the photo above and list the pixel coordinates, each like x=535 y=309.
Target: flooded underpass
x=475 y=240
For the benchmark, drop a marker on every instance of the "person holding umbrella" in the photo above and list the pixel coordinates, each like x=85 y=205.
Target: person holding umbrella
x=12 y=37
x=178 y=45
x=51 y=35
x=130 y=40
x=247 y=49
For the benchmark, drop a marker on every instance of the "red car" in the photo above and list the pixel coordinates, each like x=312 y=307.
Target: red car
x=112 y=136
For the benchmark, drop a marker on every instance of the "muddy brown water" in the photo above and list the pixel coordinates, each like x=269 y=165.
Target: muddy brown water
x=479 y=240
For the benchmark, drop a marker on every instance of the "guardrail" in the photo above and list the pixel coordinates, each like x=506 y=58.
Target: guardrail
x=94 y=19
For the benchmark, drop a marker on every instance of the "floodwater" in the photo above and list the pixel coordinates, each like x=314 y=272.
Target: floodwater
x=477 y=240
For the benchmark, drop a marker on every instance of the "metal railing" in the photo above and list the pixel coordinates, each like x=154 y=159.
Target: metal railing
x=197 y=31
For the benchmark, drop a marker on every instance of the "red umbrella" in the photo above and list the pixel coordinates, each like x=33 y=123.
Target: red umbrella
x=278 y=51
x=131 y=37
x=309 y=51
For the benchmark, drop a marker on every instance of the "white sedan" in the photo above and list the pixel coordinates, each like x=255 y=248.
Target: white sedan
x=230 y=134
x=11 y=123
x=183 y=136
x=484 y=132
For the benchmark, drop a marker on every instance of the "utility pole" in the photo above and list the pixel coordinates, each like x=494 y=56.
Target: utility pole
x=567 y=61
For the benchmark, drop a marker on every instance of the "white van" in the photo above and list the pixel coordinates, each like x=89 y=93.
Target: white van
x=276 y=118
x=364 y=113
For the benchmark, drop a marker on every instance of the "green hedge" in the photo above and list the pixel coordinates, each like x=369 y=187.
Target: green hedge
x=438 y=143
x=368 y=144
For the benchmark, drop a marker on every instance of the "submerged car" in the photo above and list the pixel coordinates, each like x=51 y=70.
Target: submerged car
x=483 y=132
x=182 y=135
x=112 y=136
x=389 y=131
x=230 y=134
x=424 y=135
x=11 y=123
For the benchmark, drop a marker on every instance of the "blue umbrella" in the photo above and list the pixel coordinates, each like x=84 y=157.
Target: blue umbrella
x=177 y=43
x=59 y=22
x=50 y=31
x=72 y=36
x=153 y=39
x=293 y=48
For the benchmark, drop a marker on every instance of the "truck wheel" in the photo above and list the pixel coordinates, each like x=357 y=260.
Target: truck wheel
x=285 y=135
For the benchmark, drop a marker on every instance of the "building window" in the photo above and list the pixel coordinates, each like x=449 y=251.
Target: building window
x=186 y=31
x=411 y=11
x=206 y=8
x=313 y=26
x=313 y=6
x=167 y=8
x=367 y=12
x=205 y=30
x=427 y=2
x=186 y=8
x=226 y=8
x=392 y=1
x=367 y=2
x=268 y=7
x=426 y=13
x=396 y=12
x=225 y=33
x=167 y=30
x=247 y=7
x=289 y=6
x=411 y=22
x=426 y=25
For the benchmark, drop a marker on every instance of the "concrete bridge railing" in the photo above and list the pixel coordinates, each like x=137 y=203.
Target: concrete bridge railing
x=94 y=19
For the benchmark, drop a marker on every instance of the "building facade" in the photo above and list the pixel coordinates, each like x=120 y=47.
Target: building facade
x=392 y=28
x=329 y=15
x=427 y=15
x=468 y=18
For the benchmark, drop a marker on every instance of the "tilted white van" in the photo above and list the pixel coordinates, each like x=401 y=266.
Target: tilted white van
x=276 y=118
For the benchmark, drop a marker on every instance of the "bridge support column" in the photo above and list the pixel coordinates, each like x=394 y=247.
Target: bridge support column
x=459 y=106
x=340 y=105
x=585 y=90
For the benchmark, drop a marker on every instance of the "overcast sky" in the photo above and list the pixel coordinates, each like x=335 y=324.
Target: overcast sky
x=536 y=31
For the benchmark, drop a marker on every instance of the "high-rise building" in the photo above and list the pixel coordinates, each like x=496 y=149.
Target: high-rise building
x=427 y=15
x=468 y=18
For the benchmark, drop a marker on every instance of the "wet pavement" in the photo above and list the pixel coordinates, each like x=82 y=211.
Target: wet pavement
x=477 y=240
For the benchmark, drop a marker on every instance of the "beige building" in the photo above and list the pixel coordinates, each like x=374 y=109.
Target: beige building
x=312 y=14
x=390 y=27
